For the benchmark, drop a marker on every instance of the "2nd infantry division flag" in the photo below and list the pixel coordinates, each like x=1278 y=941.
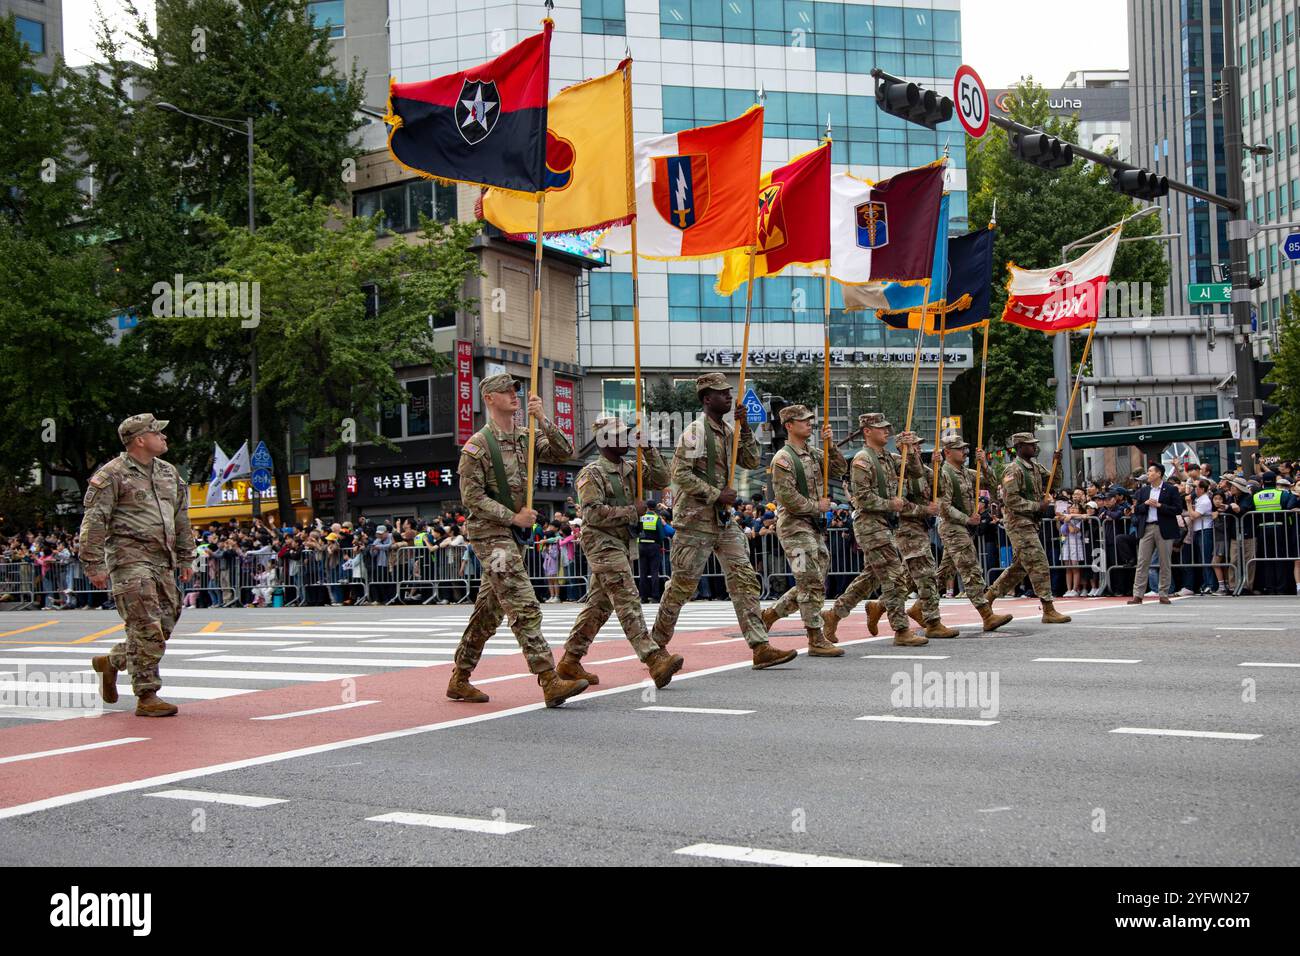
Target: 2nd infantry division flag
x=1063 y=297
x=794 y=205
x=485 y=125
x=886 y=230
x=588 y=173
x=695 y=191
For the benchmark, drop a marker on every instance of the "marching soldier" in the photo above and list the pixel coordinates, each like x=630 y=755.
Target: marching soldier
x=801 y=524
x=958 y=515
x=913 y=541
x=493 y=469
x=701 y=515
x=610 y=527
x=136 y=533
x=873 y=481
x=1024 y=506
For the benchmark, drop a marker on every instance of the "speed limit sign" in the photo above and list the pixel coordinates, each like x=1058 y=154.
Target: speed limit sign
x=971 y=100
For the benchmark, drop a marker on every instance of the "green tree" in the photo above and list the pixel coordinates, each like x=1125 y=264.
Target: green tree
x=1283 y=432
x=797 y=384
x=1039 y=212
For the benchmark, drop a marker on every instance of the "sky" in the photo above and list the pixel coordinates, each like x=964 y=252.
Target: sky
x=1001 y=39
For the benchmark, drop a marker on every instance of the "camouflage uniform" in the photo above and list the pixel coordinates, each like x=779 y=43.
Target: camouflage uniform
x=1022 y=509
x=913 y=538
x=701 y=531
x=803 y=542
x=137 y=530
x=956 y=504
x=505 y=585
x=873 y=480
x=610 y=529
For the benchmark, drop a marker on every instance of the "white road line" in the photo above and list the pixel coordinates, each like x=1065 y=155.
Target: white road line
x=203 y=796
x=1086 y=660
x=87 y=652
x=699 y=710
x=10 y=712
x=187 y=642
x=348 y=649
x=1250 y=628
x=725 y=640
x=492 y=680
x=613 y=660
x=498 y=827
x=339 y=662
x=91 y=687
x=895 y=719
x=308 y=676
x=1266 y=664
x=1117 y=627
x=749 y=854
x=907 y=657
x=1212 y=734
x=315 y=710
x=72 y=750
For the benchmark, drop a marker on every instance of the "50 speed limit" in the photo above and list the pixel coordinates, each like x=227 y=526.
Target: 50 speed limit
x=971 y=101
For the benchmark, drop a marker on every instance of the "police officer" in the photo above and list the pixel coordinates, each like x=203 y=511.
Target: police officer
x=610 y=515
x=136 y=533
x=493 y=469
x=801 y=524
x=650 y=555
x=1269 y=503
x=958 y=517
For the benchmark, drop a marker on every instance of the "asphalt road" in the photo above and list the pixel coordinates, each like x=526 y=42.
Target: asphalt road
x=1040 y=777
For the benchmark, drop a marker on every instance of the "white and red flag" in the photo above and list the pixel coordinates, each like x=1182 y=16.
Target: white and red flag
x=1064 y=297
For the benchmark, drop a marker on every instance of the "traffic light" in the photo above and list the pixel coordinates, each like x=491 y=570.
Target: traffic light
x=911 y=102
x=774 y=406
x=1263 y=390
x=1140 y=184
x=1041 y=150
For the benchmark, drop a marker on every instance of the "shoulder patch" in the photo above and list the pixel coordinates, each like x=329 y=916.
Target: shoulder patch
x=781 y=461
x=472 y=448
x=98 y=479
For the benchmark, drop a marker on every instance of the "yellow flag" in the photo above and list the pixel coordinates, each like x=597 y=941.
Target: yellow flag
x=588 y=163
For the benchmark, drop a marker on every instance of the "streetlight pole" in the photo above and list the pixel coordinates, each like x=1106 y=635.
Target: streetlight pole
x=246 y=128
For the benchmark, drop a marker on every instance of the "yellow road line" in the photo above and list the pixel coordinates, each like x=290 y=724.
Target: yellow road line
x=210 y=627
x=90 y=637
x=24 y=630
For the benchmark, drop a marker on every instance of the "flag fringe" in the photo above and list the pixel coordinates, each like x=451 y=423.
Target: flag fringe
x=717 y=286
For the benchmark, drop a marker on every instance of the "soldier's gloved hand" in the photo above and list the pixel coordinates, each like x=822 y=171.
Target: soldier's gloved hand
x=727 y=498
x=524 y=518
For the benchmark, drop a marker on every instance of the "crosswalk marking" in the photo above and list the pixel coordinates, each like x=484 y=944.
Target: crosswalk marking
x=340 y=662
x=700 y=710
x=1086 y=660
x=16 y=758
x=204 y=796
x=896 y=719
x=497 y=827
x=1267 y=664
x=1211 y=734
x=749 y=854
x=315 y=710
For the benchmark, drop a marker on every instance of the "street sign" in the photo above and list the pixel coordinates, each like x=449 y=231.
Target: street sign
x=1291 y=246
x=261 y=457
x=261 y=480
x=1199 y=293
x=971 y=101
x=754 y=410
x=950 y=425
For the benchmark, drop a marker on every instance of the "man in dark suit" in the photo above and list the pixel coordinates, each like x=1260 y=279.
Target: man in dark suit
x=1156 y=508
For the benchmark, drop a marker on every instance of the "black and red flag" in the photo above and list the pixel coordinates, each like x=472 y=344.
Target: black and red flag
x=485 y=126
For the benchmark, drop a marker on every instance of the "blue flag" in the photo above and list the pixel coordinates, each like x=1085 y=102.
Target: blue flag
x=965 y=299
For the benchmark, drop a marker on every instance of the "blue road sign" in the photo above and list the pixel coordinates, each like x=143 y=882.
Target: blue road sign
x=754 y=410
x=261 y=457
x=1291 y=246
x=261 y=480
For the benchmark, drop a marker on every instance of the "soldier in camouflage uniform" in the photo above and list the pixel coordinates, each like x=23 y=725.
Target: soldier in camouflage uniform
x=493 y=471
x=801 y=524
x=704 y=525
x=913 y=541
x=610 y=530
x=958 y=514
x=136 y=533
x=1024 y=505
x=873 y=484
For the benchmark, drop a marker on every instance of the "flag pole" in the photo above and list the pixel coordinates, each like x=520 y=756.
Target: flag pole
x=744 y=358
x=979 y=441
x=938 y=399
x=911 y=399
x=1069 y=409
x=636 y=290
x=537 y=342
x=826 y=360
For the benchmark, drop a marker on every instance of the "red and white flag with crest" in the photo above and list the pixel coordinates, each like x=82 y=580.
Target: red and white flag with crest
x=1064 y=297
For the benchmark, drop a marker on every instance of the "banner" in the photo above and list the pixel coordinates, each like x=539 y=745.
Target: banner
x=226 y=469
x=564 y=410
x=885 y=231
x=464 y=395
x=1060 y=298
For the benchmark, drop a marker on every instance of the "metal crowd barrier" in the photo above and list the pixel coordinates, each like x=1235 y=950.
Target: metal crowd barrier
x=1275 y=558
x=17 y=584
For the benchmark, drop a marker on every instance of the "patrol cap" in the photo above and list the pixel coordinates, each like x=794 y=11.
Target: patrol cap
x=796 y=413
x=610 y=430
x=713 y=380
x=955 y=442
x=501 y=382
x=873 y=420
x=1023 y=438
x=139 y=425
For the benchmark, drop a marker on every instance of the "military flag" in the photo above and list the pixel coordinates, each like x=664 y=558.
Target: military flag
x=887 y=299
x=793 y=220
x=485 y=125
x=885 y=230
x=1064 y=297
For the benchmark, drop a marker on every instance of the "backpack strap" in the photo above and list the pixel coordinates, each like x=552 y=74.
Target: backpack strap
x=502 y=492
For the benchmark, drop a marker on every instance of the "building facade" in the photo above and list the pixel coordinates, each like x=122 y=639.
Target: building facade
x=40 y=23
x=359 y=34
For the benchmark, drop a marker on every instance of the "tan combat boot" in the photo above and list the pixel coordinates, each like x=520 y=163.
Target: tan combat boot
x=914 y=612
x=875 y=610
x=1052 y=616
x=992 y=621
x=107 y=679
x=818 y=646
x=663 y=666
x=556 y=690
x=570 y=668
x=459 y=687
x=937 y=628
x=149 y=704
x=906 y=638
x=769 y=617
x=765 y=655
x=830 y=622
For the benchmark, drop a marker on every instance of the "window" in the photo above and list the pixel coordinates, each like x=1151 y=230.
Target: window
x=417 y=408
x=31 y=32
x=618 y=397
x=328 y=13
x=603 y=16
x=402 y=205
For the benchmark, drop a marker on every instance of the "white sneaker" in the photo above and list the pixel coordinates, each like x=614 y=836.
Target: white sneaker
x=1186 y=592
x=1095 y=592
x=1070 y=594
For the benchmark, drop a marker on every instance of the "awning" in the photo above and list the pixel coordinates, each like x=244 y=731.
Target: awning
x=1217 y=429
